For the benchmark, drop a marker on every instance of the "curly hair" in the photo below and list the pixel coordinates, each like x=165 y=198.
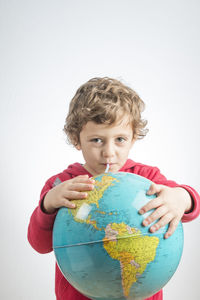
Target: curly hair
x=103 y=101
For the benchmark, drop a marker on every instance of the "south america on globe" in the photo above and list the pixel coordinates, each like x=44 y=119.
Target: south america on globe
x=105 y=252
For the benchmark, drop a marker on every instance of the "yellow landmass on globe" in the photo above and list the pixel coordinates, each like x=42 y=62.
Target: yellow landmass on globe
x=81 y=213
x=133 y=250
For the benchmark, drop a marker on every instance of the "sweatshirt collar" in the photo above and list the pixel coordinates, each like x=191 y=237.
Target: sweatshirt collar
x=78 y=169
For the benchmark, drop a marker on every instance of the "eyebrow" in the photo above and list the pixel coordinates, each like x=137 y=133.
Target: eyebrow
x=101 y=136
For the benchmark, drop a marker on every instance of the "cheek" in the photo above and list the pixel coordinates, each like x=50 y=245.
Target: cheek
x=90 y=153
x=125 y=151
x=93 y=152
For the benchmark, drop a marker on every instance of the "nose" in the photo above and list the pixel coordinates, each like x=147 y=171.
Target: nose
x=108 y=150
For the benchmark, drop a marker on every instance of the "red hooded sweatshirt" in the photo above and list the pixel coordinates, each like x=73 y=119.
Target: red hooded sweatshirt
x=41 y=224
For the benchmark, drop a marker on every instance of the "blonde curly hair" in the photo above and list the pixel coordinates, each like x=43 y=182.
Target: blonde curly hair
x=103 y=101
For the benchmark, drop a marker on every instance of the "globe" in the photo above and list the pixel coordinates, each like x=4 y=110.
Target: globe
x=102 y=248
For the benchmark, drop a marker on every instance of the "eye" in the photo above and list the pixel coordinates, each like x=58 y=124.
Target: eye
x=96 y=140
x=120 y=139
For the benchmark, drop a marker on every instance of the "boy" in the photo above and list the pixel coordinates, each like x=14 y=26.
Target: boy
x=104 y=121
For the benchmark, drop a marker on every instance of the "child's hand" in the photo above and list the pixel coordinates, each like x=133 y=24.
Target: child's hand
x=71 y=189
x=170 y=205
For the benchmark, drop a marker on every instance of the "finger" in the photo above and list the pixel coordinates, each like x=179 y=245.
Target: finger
x=154 y=188
x=157 y=214
x=75 y=195
x=163 y=221
x=83 y=179
x=154 y=203
x=172 y=227
x=81 y=187
x=68 y=204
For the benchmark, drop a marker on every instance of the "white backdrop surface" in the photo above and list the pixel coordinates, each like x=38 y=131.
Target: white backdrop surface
x=47 y=50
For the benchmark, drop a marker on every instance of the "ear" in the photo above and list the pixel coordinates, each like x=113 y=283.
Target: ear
x=78 y=146
x=76 y=143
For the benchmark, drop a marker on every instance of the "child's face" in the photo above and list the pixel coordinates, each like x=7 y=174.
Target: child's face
x=102 y=144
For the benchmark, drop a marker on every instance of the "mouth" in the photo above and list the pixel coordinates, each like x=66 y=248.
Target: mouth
x=111 y=165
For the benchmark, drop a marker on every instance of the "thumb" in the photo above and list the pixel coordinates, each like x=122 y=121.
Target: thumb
x=154 y=189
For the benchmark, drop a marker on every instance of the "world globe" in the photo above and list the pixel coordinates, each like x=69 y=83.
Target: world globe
x=102 y=248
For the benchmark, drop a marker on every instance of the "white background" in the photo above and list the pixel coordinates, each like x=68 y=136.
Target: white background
x=48 y=49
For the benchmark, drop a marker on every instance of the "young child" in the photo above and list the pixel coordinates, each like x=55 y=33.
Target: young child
x=104 y=121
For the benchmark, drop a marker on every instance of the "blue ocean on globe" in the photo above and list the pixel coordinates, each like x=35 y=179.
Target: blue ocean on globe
x=102 y=248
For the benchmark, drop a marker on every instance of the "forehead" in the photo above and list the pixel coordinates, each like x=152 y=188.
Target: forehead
x=121 y=126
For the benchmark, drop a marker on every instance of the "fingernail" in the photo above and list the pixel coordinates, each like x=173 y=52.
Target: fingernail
x=167 y=235
x=141 y=211
x=145 y=223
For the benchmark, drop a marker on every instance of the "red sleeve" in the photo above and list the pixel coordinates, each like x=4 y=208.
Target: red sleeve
x=41 y=224
x=154 y=175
